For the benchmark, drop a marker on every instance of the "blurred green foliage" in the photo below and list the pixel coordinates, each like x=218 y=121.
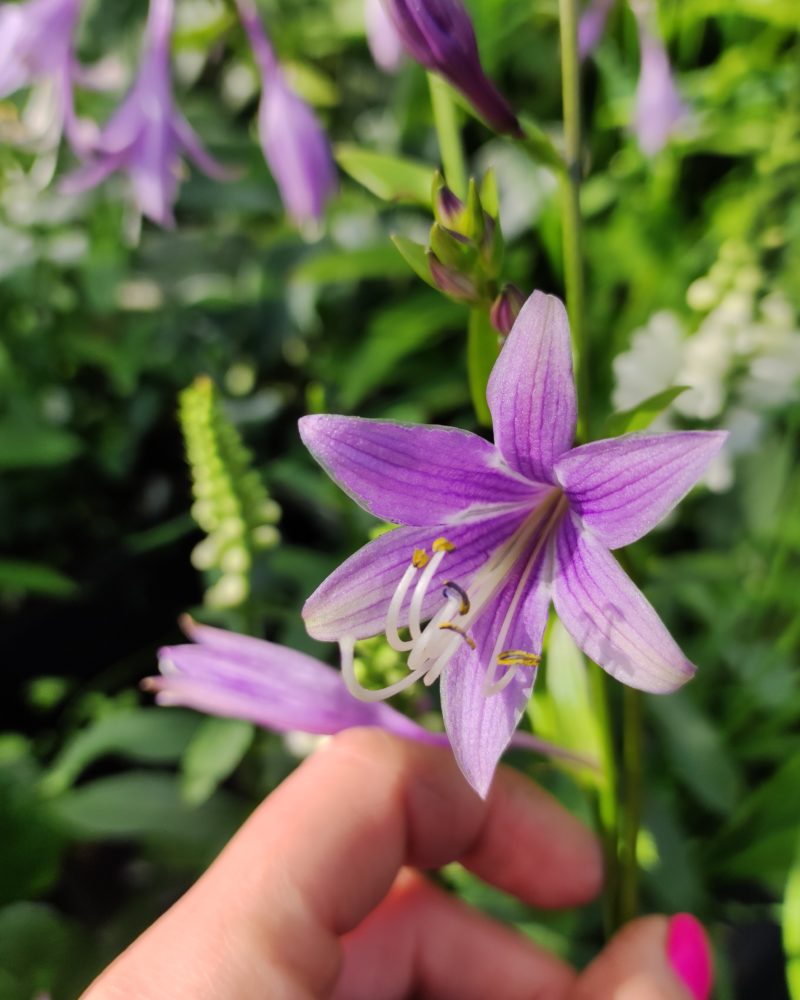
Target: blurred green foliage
x=109 y=807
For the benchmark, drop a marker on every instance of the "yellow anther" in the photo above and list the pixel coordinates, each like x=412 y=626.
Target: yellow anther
x=443 y=545
x=518 y=658
x=452 y=627
x=450 y=589
x=419 y=559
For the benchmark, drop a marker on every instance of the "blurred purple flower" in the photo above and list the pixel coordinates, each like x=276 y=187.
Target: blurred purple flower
x=592 y=25
x=491 y=534
x=440 y=36
x=385 y=44
x=147 y=134
x=295 y=146
x=36 y=44
x=659 y=107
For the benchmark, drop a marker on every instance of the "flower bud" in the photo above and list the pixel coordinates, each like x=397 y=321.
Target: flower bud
x=440 y=36
x=457 y=286
x=448 y=208
x=452 y=249
x=505 y=309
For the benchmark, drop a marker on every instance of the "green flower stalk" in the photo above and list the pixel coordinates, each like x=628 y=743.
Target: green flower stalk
x=231 y=504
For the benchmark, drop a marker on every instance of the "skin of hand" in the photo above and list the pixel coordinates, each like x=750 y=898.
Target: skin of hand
x=320 y=894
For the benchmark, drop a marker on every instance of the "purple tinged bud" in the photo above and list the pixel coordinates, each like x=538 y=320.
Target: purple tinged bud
x=36 y=43
x=384 y=42
x=147 y=134
x=457 y=286
x=659 y=107
x=447 y=207
x=592 y=25
x=295 y=146
x=505 y=309
x=440 y=36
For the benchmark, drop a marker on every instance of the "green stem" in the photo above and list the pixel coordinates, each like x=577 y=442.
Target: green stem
x=632 y=749
x=606 y=797
x=571 y=193
x=448 y=130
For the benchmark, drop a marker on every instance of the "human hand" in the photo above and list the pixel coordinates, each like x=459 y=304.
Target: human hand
x=320 y=895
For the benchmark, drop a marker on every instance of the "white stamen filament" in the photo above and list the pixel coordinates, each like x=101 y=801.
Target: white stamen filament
x=431 y=648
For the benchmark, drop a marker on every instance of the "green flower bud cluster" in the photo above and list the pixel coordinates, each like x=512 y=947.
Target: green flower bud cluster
x=465 y=251
x=231 y=504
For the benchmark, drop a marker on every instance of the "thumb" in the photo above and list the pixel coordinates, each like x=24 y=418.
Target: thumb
x=655 y=958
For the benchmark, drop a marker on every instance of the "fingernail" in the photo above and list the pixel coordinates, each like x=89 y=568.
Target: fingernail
x=689 y=955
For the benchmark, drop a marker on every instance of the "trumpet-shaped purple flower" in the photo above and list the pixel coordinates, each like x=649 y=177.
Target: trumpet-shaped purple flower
x=384 y=42
x=147 y=134
x=440 y=36
x=36 y=43
x=491 y=534
x=659 y=107
x=295 y=146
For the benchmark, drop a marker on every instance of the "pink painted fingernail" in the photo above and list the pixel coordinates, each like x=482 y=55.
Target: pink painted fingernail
x=689 y=955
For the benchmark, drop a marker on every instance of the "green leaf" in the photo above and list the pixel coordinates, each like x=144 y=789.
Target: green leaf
x=639 y=417
x=33 y=578
x=698 y=753
x=32 y=844
x=416 y=256
x=35 y=949
x=791 y=927
x=395 y=333
x=482 y=351
x=146 y=735
x=31 y=447
x=149 y=805
x=214 y=752
x=333 y=266
x=561 y=710
x=391 y=178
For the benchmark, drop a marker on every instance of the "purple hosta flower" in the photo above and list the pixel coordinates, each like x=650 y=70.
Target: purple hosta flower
x=240 y=677
x=36 y=45
x=384 y=42
x=147 y=134
x=659 y=107
x=592 y=25
x=295 y=146
x=491 y=534
x=439 y=35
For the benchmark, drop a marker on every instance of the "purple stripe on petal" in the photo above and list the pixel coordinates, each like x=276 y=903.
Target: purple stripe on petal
x=531 y=392
x=609 y=617
x=271 y=685
x=354 y=599
x=413 y=474
x=480 y=728
x=624 y=486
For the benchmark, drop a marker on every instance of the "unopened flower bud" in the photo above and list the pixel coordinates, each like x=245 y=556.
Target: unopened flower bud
x=452 y=249
x=439 y=35
x=457 y=286
x=505 y=309
x=448 y=208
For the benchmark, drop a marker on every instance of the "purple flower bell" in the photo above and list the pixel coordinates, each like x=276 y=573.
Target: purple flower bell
x=385 y=44
x=36 y=44
x=295 y=146
x=147 y=134
x=440 y=36
x=659 y=107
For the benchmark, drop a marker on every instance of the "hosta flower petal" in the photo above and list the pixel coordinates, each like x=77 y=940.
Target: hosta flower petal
x=413 y=474
x=480 y=728
x=531 y=392
x=624 y=486
x=354 y=599
x=609 y=617
x=384 y=42
x=271 y=685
